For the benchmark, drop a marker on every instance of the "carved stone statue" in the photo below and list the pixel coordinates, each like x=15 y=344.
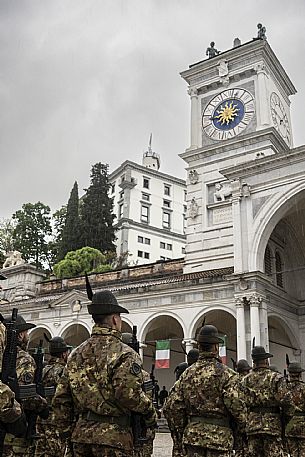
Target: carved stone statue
x=212 y=51
x=223 y=71
x=13 y=258
x=223 y=191
x=261 y=33
x=193 y=176
x=193 y=211
x=236 y=42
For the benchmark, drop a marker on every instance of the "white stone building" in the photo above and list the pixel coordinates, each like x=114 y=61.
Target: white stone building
x=245 y=240
x=150 y=211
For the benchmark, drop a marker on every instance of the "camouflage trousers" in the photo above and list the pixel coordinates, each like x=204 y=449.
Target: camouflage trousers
x=296 y=447
x=265 y=446
x=48 y=444
x=97 y=450
x=144 y=451
x=18 y=447
x=197 y=451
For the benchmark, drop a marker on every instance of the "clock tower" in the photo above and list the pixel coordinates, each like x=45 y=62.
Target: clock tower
x=240 y=113
x=240 y=91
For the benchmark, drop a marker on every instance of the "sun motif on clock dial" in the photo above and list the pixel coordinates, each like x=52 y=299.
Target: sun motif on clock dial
x=228 y=114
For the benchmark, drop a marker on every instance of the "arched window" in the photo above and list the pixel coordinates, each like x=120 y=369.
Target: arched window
x=279 y=269
x=268 y=262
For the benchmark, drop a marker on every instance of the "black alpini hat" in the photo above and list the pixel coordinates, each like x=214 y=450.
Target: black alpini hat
x=57 y=345
x=242 y=366
x=103 y=303
x=259 y=353
x=209 y=334
x=21 y=324
x=295 y=367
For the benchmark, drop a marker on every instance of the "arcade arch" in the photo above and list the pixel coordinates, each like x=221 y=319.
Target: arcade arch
x=163 y=327
x=226 y=325
x=75 y=334
x=38 y=334
x=281 y=341
x=287 y=209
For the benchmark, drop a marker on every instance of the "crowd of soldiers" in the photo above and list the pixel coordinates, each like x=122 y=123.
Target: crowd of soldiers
x=98 y=400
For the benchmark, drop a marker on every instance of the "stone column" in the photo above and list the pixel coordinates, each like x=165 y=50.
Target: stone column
x=263 y=98
x=240 y=329
x=255 y=301
x=193 y=93
x=189 y=344
x=264 y=325
x=237 y=226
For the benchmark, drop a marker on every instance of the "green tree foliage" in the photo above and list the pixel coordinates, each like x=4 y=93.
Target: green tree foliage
x=7 y=242
x=70 y=234
x=32 y=232
x=96 y=212
x=82 y=260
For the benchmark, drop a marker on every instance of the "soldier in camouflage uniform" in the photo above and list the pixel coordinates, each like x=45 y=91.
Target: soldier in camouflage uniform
x=146 y=449
x=295 y=428
x=12 y=419
x=266 y=392
x=25 y=369
x=101 y=386
x=203 y=401
x=49 y=444
x=240 y=441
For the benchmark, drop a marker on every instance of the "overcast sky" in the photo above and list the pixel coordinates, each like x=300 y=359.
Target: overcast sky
x=83 y=81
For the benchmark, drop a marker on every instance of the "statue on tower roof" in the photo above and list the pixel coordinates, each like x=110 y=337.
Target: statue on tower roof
x=212 y=51
x=261 y=33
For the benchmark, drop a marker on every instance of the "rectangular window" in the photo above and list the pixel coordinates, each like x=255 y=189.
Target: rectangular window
x=166 y=222
x=185 y=195
x=121 y=208
x=145 y=214
x=140 y=239
x=147 y=240
x=122 y=194
x=169 y=247
x=146 y=255
x=146 y=183
x=113 y=188
x=140 y=253
x=145 y=197
x=183 y=250
x=162 y=245
x=184 y=208
x=166 y=203
x=122 y=178
x=167 y=189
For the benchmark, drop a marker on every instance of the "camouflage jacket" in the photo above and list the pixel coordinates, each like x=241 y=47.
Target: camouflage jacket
x=295 y=427
x=10 y=410
x=2 y=342
x=265 y=396
x=103 y=376
x=53 y=371
x=201 y=402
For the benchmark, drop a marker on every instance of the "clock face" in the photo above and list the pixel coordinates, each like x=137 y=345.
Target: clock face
x=279 y=117
x=228 y=114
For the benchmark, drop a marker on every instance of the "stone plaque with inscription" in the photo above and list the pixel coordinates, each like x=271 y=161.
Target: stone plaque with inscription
x=222 y=215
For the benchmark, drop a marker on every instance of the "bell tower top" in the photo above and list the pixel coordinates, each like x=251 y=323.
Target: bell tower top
x=238 y=92
x=151 y=159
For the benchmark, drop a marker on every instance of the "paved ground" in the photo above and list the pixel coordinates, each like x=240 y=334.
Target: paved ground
x=162 y=445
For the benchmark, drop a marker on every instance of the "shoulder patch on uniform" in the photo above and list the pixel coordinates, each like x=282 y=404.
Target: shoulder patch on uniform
x=135 y=369
x=27 y=378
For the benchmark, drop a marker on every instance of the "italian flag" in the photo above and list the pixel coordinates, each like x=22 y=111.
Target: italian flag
x=223 y=349
x=162 y=354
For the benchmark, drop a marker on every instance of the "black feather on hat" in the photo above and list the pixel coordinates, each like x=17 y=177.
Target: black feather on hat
x=103 y=302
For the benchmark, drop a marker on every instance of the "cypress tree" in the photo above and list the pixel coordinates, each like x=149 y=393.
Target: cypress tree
x=70 y=239
x=97 y=211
